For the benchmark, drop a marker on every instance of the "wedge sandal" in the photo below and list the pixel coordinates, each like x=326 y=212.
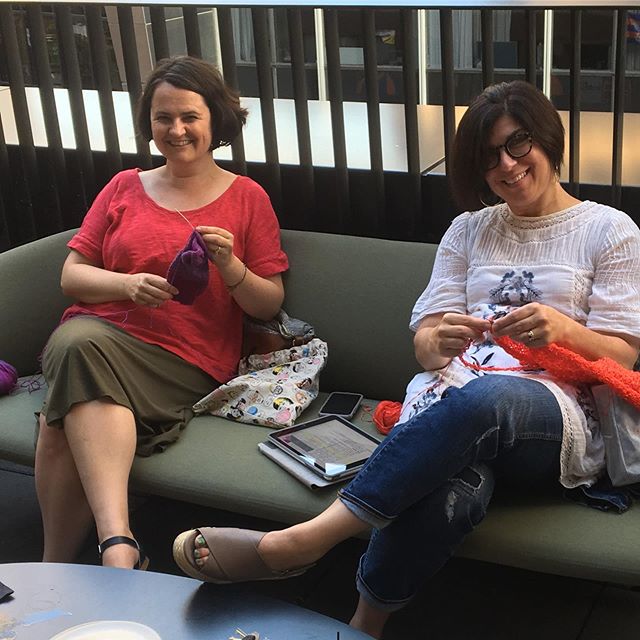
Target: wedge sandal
x=233 y=556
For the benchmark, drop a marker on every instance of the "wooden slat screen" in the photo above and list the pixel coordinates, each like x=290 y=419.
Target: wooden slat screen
x=46 y=189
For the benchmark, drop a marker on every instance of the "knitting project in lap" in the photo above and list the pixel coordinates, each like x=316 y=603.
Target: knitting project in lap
x=189 y=271
x=563 y=363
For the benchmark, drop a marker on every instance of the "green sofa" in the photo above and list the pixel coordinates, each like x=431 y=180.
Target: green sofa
x=358 y=293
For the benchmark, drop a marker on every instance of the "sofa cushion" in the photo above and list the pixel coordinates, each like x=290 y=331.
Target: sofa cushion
x=31 y=282
x=17 y=424
x=216 y=463
x=358 y=294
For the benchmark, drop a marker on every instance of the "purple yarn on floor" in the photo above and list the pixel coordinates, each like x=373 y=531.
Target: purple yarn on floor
x=8 y=378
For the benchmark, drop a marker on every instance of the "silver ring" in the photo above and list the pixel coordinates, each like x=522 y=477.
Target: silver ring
x=531 y=335
x=217 y=251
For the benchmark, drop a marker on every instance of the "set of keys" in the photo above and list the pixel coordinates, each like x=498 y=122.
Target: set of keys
x=254 y=635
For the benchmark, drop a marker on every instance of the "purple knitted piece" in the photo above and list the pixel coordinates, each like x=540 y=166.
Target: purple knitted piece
x=189 y=271
x=8 y=377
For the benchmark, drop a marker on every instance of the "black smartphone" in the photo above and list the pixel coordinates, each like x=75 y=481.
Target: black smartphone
x=341 y=403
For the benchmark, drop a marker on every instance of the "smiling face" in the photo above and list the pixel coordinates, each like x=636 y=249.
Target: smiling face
x=528 y=184
x=180 y=124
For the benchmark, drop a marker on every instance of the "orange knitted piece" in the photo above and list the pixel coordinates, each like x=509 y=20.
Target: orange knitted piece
x=573 y=368
x=563 y=363
x=386 y=414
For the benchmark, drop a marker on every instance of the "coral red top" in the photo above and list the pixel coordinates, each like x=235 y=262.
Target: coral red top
x=127 y=232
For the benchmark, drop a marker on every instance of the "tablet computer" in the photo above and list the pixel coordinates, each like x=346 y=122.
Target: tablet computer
x=331 y=446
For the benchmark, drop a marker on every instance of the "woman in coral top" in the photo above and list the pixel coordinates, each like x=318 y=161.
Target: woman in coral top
x=541 y=268
x=144 y=341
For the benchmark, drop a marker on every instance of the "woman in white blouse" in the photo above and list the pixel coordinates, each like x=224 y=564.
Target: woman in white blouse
x=540 y=267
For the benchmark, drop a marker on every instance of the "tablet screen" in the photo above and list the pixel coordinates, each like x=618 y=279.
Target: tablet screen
x=330 y=444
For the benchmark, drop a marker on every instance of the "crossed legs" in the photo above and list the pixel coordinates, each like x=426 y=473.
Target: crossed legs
x=95 y=371
x=82 y=474
x=307 y=542
x=424 y=489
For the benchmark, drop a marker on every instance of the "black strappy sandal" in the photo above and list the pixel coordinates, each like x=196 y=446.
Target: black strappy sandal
x=143 y=560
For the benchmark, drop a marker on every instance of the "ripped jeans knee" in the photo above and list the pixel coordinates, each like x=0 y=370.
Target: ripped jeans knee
x=469 y=493
x=407 y=552
x=429 y=482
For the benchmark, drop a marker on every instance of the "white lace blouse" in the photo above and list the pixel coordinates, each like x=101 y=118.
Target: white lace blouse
x=583 y=261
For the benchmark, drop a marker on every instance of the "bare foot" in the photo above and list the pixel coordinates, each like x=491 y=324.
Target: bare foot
x=280 y=550
x=303 y=543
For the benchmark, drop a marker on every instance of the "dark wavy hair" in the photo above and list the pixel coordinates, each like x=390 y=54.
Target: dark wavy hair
x=194 y=74
x=529 y=107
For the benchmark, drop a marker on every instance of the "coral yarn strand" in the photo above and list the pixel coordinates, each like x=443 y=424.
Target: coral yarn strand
x=563 y=363
x=479 y=367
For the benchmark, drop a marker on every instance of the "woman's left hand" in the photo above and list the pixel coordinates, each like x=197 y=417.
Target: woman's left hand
x=534 y=324
x=259 y=296
x=219 y=243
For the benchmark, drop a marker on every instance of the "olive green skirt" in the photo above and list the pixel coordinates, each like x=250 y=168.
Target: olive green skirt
x=90 y=359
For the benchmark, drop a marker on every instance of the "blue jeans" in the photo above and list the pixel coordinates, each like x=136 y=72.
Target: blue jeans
x=430 y=482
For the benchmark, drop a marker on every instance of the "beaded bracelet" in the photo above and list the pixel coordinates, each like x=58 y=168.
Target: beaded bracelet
x=231 y=287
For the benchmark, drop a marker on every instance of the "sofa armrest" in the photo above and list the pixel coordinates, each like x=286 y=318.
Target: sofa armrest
x=31 y=299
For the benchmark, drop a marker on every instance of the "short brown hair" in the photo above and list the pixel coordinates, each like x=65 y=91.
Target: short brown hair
x=529 y=107
x=194 y=74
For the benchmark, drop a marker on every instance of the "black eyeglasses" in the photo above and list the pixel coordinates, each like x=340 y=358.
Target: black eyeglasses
x=517 y=145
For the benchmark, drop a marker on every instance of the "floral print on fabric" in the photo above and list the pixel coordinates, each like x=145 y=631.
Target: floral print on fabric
x=515 y=288
x=272 y=389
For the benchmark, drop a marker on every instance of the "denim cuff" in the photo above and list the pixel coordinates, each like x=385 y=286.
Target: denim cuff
x=377 y=603
x=360 y=510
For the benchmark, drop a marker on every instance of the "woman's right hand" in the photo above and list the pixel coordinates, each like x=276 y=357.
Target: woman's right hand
x=453 y=333
x=148 y=289
x=442 y=337
x=88 y=282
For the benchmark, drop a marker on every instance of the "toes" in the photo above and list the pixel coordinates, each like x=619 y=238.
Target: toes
x=201 y=550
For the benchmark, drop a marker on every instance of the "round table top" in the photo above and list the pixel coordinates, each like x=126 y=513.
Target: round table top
x=50 y=598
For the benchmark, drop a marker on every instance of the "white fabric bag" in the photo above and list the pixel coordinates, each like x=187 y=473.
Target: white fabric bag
x=620 y=427
x=271 y=389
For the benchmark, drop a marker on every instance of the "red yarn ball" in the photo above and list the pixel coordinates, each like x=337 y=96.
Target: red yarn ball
x=8 y=378
x=386 y=414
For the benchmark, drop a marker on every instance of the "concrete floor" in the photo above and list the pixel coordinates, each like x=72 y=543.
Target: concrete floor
x=467 y=600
